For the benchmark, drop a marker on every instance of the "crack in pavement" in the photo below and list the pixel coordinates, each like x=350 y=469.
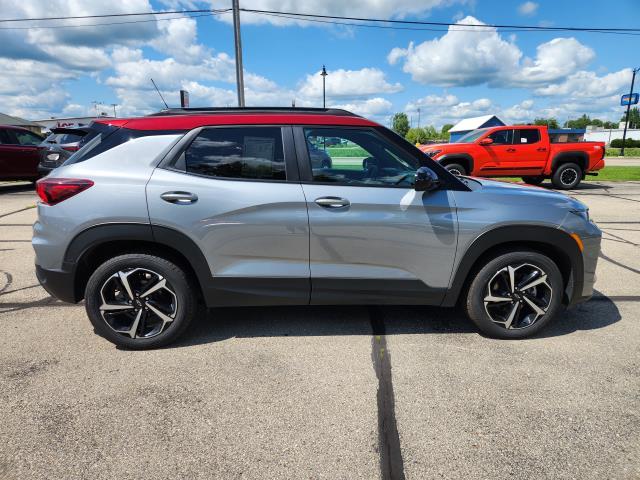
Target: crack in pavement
x=391 y=462
x=615 y=262
x=8 y=281
x=17 y=211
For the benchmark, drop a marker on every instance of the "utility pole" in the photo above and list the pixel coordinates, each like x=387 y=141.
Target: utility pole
x=238 y=39
x=626 y=120
x=418 y=117
x=324 y=96
x=114 y=105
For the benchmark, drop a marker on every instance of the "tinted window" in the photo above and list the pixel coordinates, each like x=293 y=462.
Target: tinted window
x=502 y=137
x=356 y=156
x=237 y=152
x=529 y=135
x=5 y=138
x=27 y=138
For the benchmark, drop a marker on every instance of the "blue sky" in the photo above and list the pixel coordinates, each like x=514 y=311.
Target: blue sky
x=448 y=74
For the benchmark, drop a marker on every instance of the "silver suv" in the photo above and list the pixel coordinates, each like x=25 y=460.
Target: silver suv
x=156 y=215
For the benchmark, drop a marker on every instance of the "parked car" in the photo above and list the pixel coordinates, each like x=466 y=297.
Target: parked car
x=58 y=146
x=520 y=151
x=19 y=153
x=319 y=157
x=223 y=206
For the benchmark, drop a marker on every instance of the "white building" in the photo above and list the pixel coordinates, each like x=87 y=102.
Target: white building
x=599 y=134
x=50 y=123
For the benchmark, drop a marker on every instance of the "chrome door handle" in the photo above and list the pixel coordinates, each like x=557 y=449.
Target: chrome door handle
x=332 y=202
x=181 y=198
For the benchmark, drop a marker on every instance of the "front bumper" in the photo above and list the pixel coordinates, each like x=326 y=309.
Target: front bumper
x=57 y=283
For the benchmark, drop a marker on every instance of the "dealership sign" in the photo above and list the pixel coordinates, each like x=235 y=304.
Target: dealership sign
x=629 y=99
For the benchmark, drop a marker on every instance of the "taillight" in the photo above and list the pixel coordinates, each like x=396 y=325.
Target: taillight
x=71 y=149
x=55 y=190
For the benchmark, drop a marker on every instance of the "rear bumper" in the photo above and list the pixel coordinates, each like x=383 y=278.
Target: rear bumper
x=57 y=283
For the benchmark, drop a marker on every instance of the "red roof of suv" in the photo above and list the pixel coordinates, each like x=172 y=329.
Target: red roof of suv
x=187 y=119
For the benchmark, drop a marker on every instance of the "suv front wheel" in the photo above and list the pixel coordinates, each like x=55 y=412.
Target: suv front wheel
x=515 y=295
x=139 y=301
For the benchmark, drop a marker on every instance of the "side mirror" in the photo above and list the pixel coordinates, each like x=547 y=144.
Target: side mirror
x=426 y=180
x=486 y=141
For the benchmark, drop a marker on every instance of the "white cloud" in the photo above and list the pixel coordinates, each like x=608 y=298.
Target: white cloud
x=372 y=107
x=528 y=8
x=467 y=56
x=584 y=84
x=521 y=112
x=349 y=83
x=359 y=8
x=431 y=101
x=463 y=56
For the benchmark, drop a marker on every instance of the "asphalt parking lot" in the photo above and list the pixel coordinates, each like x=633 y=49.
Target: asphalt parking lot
x=393 y=392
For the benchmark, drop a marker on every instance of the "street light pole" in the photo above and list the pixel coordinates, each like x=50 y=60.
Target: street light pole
x=324 y=96
x=238 y=40
x=418 y=117
x=626 y=120
x=114 y=105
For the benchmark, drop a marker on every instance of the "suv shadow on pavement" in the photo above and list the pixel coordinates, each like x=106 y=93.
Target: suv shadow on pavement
x=250 y=322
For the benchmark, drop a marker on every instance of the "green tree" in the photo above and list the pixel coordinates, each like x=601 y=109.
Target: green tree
x=610 y=125
x=549 y=122
x=634 y=118
x=400 y=124
x=581 y=122
x=416 y=135
x=444 y=133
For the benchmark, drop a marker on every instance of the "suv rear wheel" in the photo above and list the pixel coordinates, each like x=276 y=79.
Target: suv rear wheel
x=139 y=301
x=515 y=295
x=567 y=176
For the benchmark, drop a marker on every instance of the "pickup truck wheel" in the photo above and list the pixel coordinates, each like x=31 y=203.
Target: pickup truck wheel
x=456 y=169
x=515 y=295
x=533 y=180
x=567 y=176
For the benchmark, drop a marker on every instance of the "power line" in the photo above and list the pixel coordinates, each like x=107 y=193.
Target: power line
x=443 y=24
x=392 y=27
x=106 y=15
x=47 y=27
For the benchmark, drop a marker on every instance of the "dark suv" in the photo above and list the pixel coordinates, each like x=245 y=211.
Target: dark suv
x=227 y=207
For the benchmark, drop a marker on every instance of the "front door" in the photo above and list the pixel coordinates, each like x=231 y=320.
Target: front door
x=373 y=238
x=235 y=193
x=500 y=155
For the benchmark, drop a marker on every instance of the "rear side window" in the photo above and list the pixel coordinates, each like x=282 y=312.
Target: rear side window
x=102 y=137
x=502 y=137
x=237 y=152
x=529 y=135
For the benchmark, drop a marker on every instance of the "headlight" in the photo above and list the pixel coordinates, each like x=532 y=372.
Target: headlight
x=433 y=153
x=584 y=214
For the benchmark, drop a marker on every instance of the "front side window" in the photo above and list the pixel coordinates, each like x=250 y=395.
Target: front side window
x=529 y=135
x=502 y=137
x=237 y=152
x=358 y=156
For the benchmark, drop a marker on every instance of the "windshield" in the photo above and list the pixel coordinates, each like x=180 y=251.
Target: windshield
x=472 y=136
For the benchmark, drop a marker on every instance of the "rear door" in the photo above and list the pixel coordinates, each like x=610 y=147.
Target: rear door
x=373 y=237
x=23 y=153
x=530 y=151
x=234 y=191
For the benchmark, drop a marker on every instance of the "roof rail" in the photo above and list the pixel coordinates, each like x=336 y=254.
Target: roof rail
x=249 y=110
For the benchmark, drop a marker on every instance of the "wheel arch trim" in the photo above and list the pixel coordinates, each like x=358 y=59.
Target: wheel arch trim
x=533 y=236
x=452 y=157
x=569 y=156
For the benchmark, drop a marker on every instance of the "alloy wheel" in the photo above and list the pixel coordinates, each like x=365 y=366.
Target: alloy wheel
x=518 y=296
x=138 y=303
x=568 y=176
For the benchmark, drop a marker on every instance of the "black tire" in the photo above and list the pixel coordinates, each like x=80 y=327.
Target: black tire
x=456 y=169
x=533 y=180
x=185 y=301
x=567 y=176
x=480 y=288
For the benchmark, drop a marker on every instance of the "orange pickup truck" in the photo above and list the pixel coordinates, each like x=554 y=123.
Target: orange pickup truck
x=519 y=151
